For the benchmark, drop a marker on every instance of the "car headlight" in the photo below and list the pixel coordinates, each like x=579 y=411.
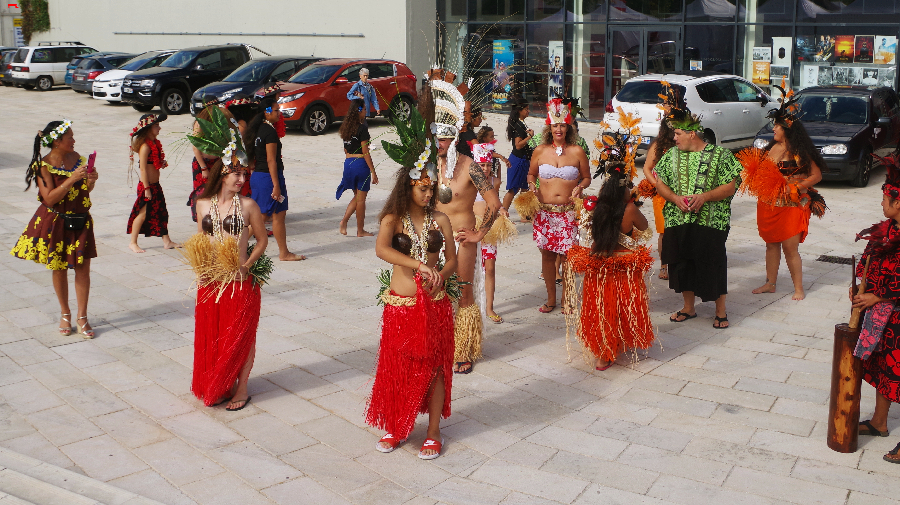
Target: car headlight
x=760 y=143
x=115 y=84
x=289 y=98
x=148 y=83
x=835 y=149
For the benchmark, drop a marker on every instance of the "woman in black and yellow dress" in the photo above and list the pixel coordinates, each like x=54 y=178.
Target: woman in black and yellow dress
x=61 y=233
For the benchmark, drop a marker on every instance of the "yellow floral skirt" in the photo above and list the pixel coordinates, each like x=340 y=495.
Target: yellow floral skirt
x=47 y=241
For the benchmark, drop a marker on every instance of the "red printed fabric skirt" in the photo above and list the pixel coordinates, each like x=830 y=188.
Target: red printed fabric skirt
x=156 y=223
x=882 y=369
x=555 y=231
x=224 y=333
x=199 y=184
x=416 y=344
x=777 y=224
x=488 y=252
x=615 y=314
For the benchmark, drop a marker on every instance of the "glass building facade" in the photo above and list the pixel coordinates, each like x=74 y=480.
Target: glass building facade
x=589 y=48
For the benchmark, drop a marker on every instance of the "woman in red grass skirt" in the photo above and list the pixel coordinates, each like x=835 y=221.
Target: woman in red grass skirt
x=149 y=214
x=415 y=361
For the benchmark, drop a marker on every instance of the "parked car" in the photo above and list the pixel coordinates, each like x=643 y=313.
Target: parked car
x=317 y=95
x=44 y=66
x=250 y=77
x=847 y=124
x=75 y=61
x=108 y=85
x=91 y=67
x=171 y=84
x=6 y=67
x=731 y=108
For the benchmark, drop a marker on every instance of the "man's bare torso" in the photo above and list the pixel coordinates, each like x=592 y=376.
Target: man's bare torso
x=459 y=210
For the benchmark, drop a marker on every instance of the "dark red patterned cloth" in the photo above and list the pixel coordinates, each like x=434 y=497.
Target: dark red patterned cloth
x=156 y=223
x=199 y=183
x=882 y=369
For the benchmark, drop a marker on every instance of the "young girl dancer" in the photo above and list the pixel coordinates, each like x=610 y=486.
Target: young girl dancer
x=149 y=214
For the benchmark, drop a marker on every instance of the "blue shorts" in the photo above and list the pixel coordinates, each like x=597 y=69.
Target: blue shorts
x=261 y=192
x=517 y=173
x=356 y=176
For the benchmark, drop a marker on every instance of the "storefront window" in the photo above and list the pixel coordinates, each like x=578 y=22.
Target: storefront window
x=499 y=10
x=589 y=10
x=705 y=10
x=645 y=10
x=854 y=11
x=502 y=70
x=764 y=54
x=846 y=55
x=766 y=11
x=589 y=68
x=546 y=60
x=455 y=10
x=545 y=10
x=700 y=54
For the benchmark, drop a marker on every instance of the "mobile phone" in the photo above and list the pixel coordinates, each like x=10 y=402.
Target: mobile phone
x=90 y=165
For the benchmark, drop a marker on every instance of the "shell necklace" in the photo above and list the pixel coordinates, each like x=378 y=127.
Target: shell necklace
x=234 y=211
x=419 y=250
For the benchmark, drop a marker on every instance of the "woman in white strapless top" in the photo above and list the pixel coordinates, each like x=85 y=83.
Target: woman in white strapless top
x=559 y=172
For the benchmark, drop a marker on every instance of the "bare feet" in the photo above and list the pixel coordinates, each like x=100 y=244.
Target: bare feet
x=169 y=243
x=768 y=287
x=343 y=228
x=134 y=247
x=799 y=294
x=364 y=233
x=292 y=257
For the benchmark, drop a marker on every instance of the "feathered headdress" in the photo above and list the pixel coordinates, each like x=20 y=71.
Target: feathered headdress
x=574 y=108
x=891 y=186
x=415 y=150
x=220 y=138
x=559 y=112
x=449 y=111
x=789 y=111
x=678 y=116
x=618 y=149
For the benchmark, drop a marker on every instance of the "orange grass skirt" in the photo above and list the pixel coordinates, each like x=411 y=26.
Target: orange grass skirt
x=658 y=204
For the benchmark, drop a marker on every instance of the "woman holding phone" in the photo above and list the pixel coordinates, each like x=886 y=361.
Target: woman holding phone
x=61 y=233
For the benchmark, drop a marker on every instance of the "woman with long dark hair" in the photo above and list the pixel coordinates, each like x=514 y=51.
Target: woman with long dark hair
x=359 y=171
x=61 y=233
x=615 y=314
x=267 y=186
x=415 y=357
x=201 y=163
x=519 y=134
x=785 y=203
x=664 y=141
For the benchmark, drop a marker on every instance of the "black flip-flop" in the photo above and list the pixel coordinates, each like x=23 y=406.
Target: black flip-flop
x=246 y=402
x=893 y=452
x=721 y=320
x=459 y=363
x=872 y=431
x=679 y=314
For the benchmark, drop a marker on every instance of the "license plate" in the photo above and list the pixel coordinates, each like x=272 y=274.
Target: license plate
x=79 y=78
x=645 y=140
x=127 y=90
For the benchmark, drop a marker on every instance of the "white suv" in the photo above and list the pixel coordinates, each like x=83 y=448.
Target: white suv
x=731 y=109
x=44 y=66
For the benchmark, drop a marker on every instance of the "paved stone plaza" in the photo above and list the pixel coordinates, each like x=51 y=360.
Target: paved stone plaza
x=734 y=416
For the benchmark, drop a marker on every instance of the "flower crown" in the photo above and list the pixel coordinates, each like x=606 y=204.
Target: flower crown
x=618 y=149
x=48 y=138
x=415 y=151
x=788 y=111
x=147 y=120
x=218 y=138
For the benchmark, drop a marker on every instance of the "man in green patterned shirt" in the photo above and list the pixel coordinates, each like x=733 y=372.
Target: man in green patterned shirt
x=698 y=181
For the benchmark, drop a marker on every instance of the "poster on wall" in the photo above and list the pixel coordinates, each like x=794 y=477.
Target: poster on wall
x=777 y=74
x=840 y=76
x=886 y=77
x=555 y=69
x=825 y=48
x=762 y=54
x=869 y=77
x=824 y=78
x=696 y=64
x=805 y=48
x=17 y=28
x=844 y=48
x=762 y=60
x=502 y=79
x=885 y=50
x=856 y=76
x=865 y=45
x=809 y=75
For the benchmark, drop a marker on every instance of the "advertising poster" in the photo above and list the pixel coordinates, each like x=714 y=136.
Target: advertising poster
x=856 y=76
x=762 y=54
x=840 y=76
x=865 y=49
x=806 y=48
x=825 y=48
x=886 y=77
x=776 y=74
x=869 y=77
x=556 y=72
x=17 y=28
x=502 y=79
x=809 y=75
x=824 y=76
x=696 y=64
x=885 y=50
x=761 y=72
x=844 y=48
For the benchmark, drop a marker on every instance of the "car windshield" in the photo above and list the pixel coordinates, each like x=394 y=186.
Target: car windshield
x=252 y=71
x=137 y=62
x=21 y=54
x=89 y=63
x=315 y=74
x=644 y=92
x=833 y=109
x=181 y=59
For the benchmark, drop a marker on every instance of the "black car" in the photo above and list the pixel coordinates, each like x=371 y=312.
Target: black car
x=6 y=61
x=250 y=77
x=92 y=66
x=847 y=124
x=171 y=84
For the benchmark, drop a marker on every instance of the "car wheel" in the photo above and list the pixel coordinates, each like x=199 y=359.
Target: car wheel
x=709 y=136
x=44 y=82
x=864 y=169
x=316 y=121
x=142 y=108
x=173 y=101
x=401 y=108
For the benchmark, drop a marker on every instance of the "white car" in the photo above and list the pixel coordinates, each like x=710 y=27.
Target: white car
x=731 y=109
x=108 y=85
x=44 y=65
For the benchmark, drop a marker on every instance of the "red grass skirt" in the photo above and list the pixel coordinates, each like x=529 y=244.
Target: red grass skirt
x=615 y=314
x=777 y=224
x=224 y=333
x=416 y=344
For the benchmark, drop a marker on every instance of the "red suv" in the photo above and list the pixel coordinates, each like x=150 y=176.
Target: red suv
x=317 y=95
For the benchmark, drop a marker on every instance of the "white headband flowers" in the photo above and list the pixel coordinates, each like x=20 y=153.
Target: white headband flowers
x=47 y=139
